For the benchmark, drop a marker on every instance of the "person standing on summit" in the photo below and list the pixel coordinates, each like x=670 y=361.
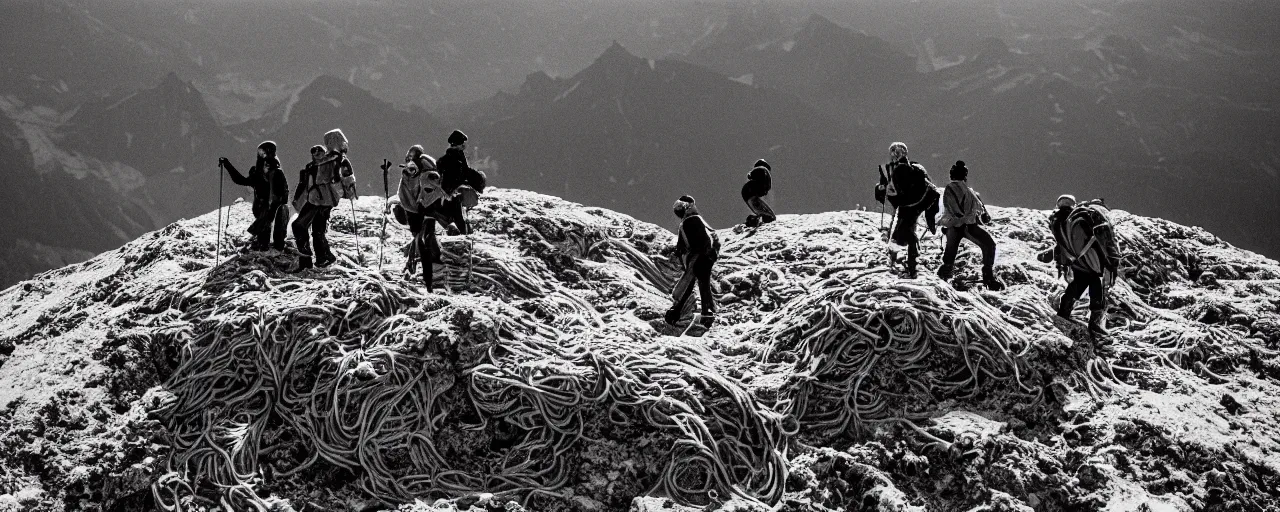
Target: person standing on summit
x=962 y=217
x=697 y=248
x=328 y=182
x=908 y=189
x=753 y=191
x=270 y=195
x=462 y=184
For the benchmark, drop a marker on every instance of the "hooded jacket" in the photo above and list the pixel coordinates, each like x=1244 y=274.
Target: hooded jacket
x=758 y=184
x=420 y=185
x=960 y=205
x=696 y=237
x=270 y=187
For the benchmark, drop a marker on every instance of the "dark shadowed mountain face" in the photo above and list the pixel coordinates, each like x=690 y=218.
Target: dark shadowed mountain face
x=374 y=128
x=1103 y=116
x=634 y=134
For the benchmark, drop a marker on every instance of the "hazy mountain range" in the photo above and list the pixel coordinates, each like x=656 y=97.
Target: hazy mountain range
x=115 y=113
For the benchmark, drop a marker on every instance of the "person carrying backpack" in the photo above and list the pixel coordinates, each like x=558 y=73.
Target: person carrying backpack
x=462 y=184
x=1086 y=245
x=908 y=189
x=328 y=181
x=417 y=199
x=270 y=196
x=753 y=192
x=698 y=248
x=963 y=215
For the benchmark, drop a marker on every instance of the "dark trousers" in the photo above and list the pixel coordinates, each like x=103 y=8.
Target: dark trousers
x=974 y=233
x=316 y=219
x=450 y=212
x=269 y=227
x=425 y=243
x=761 y=209
x=1080 y=280
x=904 y=233
x=699 y=270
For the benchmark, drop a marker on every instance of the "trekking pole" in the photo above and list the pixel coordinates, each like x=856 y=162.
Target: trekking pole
x=217 y=248
x=355 y=232
x=386 y=201
x=471 y=246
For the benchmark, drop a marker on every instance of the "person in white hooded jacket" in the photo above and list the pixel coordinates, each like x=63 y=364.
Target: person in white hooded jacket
x=963 y=215
x=419 y=196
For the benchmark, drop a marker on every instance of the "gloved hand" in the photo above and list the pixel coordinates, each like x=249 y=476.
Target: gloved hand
x=386 y=164
x=880 y=193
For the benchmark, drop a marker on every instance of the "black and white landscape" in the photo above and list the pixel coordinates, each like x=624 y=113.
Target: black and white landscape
x=135 y=374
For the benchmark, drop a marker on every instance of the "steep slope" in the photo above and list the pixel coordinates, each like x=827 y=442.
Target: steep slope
x=145 y=377
x=634 y=134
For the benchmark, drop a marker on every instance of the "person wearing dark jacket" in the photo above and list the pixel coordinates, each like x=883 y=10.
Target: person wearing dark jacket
x=753 y=192
x=461 y=183
x=962 y=218
x=697 y=247
x=1092 y=255
x=270 y=196
x=908 y=189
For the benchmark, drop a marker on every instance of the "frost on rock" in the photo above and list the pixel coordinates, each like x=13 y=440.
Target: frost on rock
x=543 y=377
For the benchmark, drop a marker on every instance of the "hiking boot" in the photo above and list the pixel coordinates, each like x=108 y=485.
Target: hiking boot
x=304 y=263
x=908 y=274
x=672 y=316
x=944 y=272
x=989 y=279
x=708 y=319
x=326 y=260
x=753 y=221
x=1098 y=322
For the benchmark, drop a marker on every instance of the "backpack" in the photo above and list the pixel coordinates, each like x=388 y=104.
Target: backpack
x=1078 y=234
x=891 y=189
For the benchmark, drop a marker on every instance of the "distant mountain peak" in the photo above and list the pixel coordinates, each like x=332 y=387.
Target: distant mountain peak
x=616 y=53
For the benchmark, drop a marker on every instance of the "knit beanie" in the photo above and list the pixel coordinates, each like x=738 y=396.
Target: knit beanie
x=682 y=205
x=762 y=163
x=334 y=139
x=1066 y=201
x=269 y=147
x=959 y=171
x=317 y=149
x=416 y=150
x=457 y=137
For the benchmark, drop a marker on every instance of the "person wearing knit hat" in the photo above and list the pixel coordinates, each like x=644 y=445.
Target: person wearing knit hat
x=753 y=191
x=270 y=197
x=462 y=184
x=418 y=197
x=908 y=189
x=1087 y=250
x=962 y=218
x=697 y=247
x=330 y=181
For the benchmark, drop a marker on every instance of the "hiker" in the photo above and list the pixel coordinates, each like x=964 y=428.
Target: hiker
x=417 y=198
x=909 y=190
x=461 y=183
x=1086 y=246
x=753 y=192
x=328 y=180
x=963 y=215
x=270 y=195
x=698 y=247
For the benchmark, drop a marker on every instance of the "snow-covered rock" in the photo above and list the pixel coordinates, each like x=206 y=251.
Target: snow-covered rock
x=544 y=377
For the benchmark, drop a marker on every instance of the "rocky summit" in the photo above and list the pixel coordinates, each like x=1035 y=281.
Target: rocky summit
x=542 y=377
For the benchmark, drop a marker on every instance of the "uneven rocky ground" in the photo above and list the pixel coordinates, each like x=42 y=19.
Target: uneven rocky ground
x=544 y=378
